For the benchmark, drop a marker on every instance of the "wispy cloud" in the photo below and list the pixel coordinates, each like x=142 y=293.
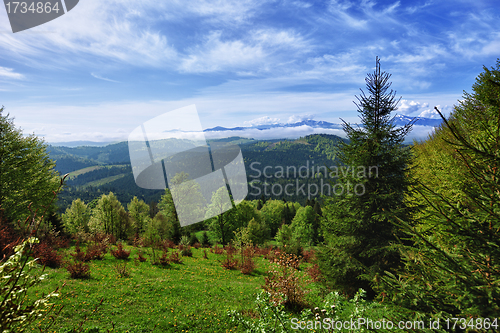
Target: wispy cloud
x=10 y=74
x=103 y=78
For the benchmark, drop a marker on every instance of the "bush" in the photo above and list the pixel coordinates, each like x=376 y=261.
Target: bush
x=175 y=258
x=141 y=258
x=122 y=270
x=229 y=262
x=120 y=253
x=79 y=255
x=163 y=260
x=217 y=249
x=47 y=256
x=78 y=270
x=96 y=251
x=284 y=283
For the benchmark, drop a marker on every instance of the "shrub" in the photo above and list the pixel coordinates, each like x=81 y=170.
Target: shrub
x=163 y=260
x=47 y=256
x=184 y=247
x=247 y=264
x=315 y=273
x=217 y=249
x=96 y=251
x=175 y=258
x=120 y=253
x=79 y=255
x=122 y=270
x=229 y=262
x=308 y=255
x=205 y=256
x=230 y=249
x=140 y=257
x=78 y=270
x=284 y=283
x=167 y=244
x=185 y=250
x=7 y=240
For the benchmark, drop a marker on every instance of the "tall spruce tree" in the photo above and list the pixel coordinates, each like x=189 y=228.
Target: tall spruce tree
x=356 y=226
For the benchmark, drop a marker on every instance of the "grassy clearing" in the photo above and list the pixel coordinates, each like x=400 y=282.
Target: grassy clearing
x=76 y=173
x=106 y=180
x=189 y=297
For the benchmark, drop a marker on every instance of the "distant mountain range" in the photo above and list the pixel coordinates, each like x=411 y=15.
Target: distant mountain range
x=399 y=120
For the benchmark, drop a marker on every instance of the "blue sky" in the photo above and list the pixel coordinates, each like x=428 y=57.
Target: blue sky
x=105 y=67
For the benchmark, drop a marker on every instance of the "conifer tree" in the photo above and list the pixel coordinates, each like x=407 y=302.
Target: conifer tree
x=356 y=228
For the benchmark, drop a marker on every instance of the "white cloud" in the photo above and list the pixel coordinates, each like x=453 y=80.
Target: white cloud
x=259 y=51
x=10 y=74
x=418 y=109
x=298 y=118
x=262 y=121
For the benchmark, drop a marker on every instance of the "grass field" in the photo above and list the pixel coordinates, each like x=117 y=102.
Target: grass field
x=193 y=296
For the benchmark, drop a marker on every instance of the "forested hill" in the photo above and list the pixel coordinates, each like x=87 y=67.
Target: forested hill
x=97 y=170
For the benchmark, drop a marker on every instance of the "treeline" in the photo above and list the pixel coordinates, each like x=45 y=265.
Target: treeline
x=288 y=223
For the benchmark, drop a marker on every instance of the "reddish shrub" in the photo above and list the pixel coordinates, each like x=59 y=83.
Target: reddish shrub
x=141 y=258
x=8 y=240
x=79 y=255
x=217 y=249
x=229 y=262
x=175 y=258
x=205 y=256
x=229 y=249
x=96 y=251
x=308 y=255
x=185 y=250
x=197 y=245
x=111 y=239
x=163 y=260
x=47 y=256
x=315 y=273
x=167 y=244
x=284 y=283
x=120 y=253
x=78 y=270
x=247 y=266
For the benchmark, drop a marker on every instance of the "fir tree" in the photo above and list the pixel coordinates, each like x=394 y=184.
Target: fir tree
x=356 y=226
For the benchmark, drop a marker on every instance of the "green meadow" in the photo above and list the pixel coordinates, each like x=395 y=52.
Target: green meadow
x=193 y=296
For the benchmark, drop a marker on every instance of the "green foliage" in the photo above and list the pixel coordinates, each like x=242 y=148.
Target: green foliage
x=334 y=308
x=27 y=173
x=357 y=231
x=303 y=227
x=139 y=214
x=17 y=277
x=453 y=268
x=286 y=241
x=110 y=217
x=272 y=213
x=220 y=225
x=76 y=218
